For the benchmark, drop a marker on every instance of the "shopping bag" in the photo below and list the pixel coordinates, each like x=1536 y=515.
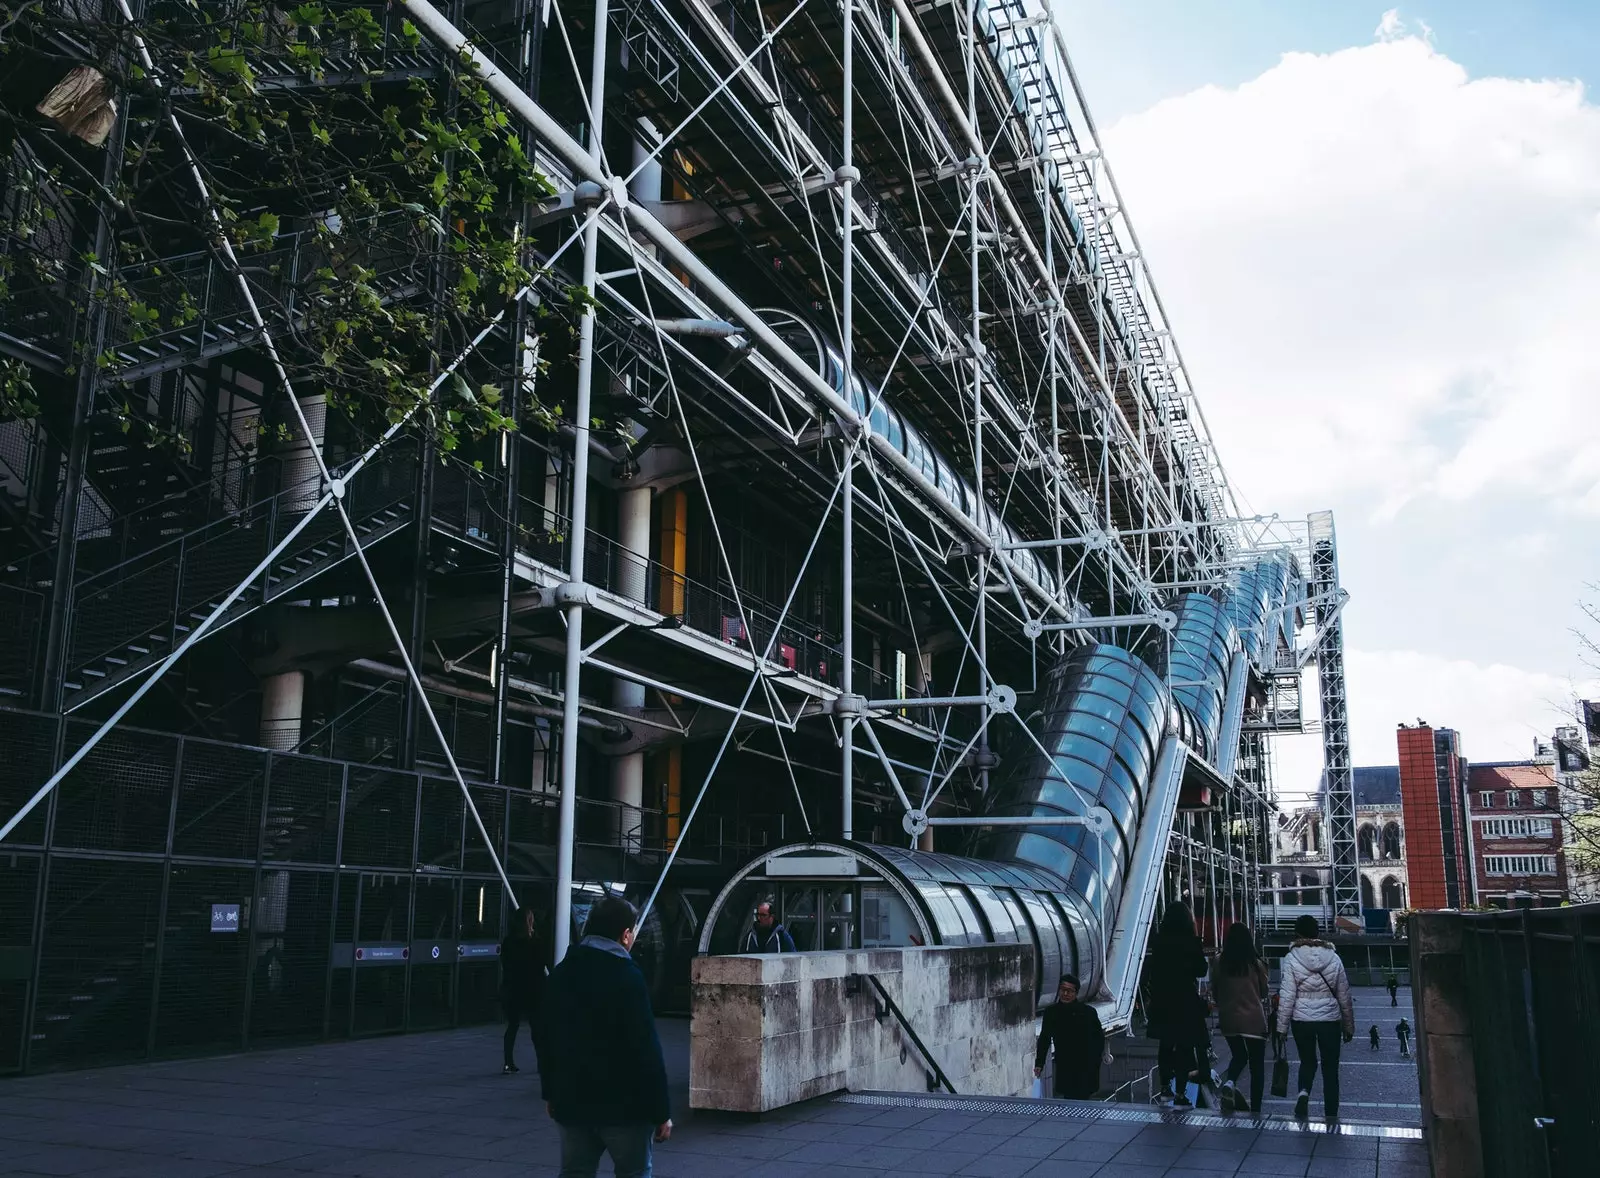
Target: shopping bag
x=1280 y=1076
x=1038 y=1087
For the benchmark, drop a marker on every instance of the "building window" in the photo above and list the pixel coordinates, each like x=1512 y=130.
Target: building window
x=1541 y=797
x=1516 y=828
x=1519 y=864
x=1486 y=799
x=1513 y=799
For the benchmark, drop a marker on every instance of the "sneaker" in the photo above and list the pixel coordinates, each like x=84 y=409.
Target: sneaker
x=1164 y=1099
x=1182 y=1101
x=1229 y=1099
x=1301 y=1104
x=509 y=1068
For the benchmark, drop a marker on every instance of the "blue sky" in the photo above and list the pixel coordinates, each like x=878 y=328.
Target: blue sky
x=1130 y=54
x=1379 y=243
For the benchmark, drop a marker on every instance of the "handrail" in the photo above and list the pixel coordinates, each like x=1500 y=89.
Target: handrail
x=905 y=1025
x=1148 y=1079
x=1125 y=951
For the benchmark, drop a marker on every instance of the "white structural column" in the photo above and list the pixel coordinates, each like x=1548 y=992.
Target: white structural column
x=847 y=177
x=627 y=771
x=283 y=695
x=578 y=534
x=282 y=708
x=978 y=170
x=302 y=474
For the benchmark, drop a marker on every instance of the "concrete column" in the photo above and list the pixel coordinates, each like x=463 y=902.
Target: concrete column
x=1446 y=1072
x=627 y=771
x=282 y=707
x=674 y=551
x=302 y=481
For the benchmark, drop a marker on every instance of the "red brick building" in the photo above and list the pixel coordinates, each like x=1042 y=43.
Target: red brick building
x=1518 y=855
x=1438 y=849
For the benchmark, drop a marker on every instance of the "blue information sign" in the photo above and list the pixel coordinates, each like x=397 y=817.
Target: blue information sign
x=224 y=918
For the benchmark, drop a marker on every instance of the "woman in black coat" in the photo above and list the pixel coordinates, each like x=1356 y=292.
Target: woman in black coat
x=1177 y=1013
x=522 y=974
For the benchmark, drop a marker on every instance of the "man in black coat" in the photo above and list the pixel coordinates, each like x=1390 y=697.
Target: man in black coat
x=600 y=1064
x=1073 y=1029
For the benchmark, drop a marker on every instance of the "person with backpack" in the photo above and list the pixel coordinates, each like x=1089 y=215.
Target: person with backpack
x=1316 y=1009
x=766 y=935
x=1177 y=1012
x=1239 y=988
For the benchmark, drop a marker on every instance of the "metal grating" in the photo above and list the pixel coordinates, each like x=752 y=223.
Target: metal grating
x=439 y=827
x=290 y=923
x=302 y=810
x=119 y=798
x=29 y=743
x=200 y=1002
x=219 y=801
x=378 y=818
x=1083 y=1111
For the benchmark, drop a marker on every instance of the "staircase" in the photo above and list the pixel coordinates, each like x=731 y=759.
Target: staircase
x=127 y=618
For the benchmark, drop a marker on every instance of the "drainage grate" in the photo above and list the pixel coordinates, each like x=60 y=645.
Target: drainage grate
x=1023 y=1107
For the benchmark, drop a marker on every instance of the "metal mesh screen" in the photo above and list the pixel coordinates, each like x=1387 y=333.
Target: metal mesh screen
x=19 y=882
x=384 y=917
x=119 y=797
x=98 y=963
x=200 y=1002
x=302 y=810
x=290 y=923
x=439 y=824
x=491 y=803
x=478 y=980
x=29 y=744
x=378 y=813
x=430 y=1003
x=219 y=801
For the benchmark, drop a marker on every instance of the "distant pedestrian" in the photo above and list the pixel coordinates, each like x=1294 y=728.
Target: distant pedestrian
x=1073 y=1029
x=1317 y=1010
x=1177 y=1012
x=766 y=935
x=1402 y=1032
x=602 y=1073
x=1239 y=988
x=1374 y=1036
x=1394 y=988
x=522 y=977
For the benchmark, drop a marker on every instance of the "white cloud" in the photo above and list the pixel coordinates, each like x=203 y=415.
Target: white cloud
x=1497 y=709
x=1385 y=275
x=1390 y=26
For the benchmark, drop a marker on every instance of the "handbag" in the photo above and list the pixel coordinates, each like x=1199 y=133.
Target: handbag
x=1280 y=1076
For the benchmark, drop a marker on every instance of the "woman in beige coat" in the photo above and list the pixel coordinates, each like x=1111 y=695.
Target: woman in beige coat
x=1239 y=988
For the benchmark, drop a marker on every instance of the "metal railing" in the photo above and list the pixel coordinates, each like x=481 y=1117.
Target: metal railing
x=886 y=1007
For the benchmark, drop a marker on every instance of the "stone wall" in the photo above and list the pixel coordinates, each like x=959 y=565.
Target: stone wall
x=771 y=1030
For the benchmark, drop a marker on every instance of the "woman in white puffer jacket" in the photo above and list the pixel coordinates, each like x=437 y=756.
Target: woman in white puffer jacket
x=1314 y=1005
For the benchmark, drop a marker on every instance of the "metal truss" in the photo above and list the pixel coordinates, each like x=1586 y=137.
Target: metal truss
x=984 y=404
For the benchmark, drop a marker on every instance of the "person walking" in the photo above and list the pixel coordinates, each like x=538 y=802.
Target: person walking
x=1240 y=990
x=601 y=1070
x=1402 y=1032
x=1317 y=1010
x=1394 y=988
x=522 y=977
x=1374 y=1035
x=766 y=935
x=1177 y=1012
x=1073 y=1029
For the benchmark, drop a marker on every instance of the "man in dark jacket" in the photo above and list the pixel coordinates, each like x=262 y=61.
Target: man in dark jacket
x=522 y=971
x=1073 y=1029
x=767 y=935
x=603 y=1076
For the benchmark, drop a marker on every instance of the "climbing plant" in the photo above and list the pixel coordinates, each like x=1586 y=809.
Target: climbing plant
x=372 y=190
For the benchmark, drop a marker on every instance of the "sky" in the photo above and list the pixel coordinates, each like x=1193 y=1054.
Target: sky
x=1376 y=232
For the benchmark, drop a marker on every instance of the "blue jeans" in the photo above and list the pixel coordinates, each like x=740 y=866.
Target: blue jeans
x=628 y=1145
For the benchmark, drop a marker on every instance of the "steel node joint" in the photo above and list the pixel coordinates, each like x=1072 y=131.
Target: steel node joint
x=588 y=194
x=847 y=174
x=849 y=705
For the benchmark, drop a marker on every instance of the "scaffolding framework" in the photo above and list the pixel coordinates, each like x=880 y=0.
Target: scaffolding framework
x=872 y=416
